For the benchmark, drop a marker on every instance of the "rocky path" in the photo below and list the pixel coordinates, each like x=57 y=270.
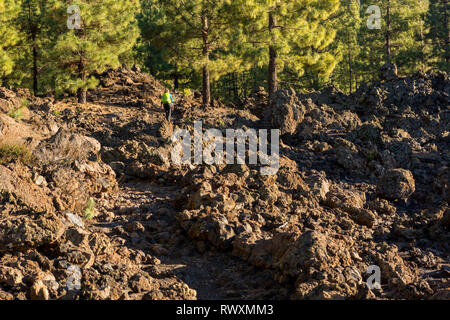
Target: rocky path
x=142 y=212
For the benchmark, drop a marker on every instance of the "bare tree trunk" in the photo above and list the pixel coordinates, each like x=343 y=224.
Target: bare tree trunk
x=349 y=56
x=82 y=92
x=273 y=66
x=33 y=32
x=447 y=39
x=388 y=32
x=422 y=46
x=35 y=67
x=176 y=81
x=350 y=76
x=206 y=73
x=235 y=86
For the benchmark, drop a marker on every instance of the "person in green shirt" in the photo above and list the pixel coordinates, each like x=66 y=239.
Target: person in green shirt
x=167 y=102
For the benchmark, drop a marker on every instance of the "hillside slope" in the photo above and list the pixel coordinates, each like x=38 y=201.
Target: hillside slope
x=363 y=181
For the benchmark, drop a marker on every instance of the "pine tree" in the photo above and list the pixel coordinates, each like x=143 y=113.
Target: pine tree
x=345 y=46
x=152 y=53
x=291 y=34
x=8 y=35
x=107 y=28
x=399 y=38
x=35 y=39
x=438 y=35
x=197 y=34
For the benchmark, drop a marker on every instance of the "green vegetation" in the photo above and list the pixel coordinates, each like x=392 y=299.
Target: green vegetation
x=18 y=113
x=223 y=48
x=13 y=153
x=9 y=36
x=89 y=211
x=187 y=92
x=107 y=30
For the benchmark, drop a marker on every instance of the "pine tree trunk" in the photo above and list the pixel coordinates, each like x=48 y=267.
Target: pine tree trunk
x=422 y=46
x=176 y=81
x=82 y=96
x=206 y=74
x=350 y=65
x=35 y=67
x=273 y=67
x=82 y=92
x=388 y=33
x=350 y=77
x=206 y=87
x=235 y=86
x=447 y=39
x=33 y=31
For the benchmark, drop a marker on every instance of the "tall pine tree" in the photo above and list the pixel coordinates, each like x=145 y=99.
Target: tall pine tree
x=291 y=34
x=9 y=36
x=107 y=29
x=197 y=34
x=345 y=47
x=438 y=35
x=399 y=39
x=35 y=41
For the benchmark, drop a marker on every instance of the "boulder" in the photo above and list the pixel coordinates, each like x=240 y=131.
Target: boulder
x=165 y=130
x=39 y=291
x=10 y=276
x=67 y=145
x=6 y=93
x=16 y=133
x=388 y=72
x=286 y=111
x=445 y=221
x=23 y=233
x=396 y=184
x=29 y=193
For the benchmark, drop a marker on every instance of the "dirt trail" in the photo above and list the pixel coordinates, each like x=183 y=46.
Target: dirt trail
x=214 y=275
x=142 y=212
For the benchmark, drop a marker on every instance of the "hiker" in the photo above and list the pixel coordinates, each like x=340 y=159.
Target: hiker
x=167 y=101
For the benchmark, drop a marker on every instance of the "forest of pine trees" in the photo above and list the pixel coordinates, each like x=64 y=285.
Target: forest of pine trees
x=219 y=46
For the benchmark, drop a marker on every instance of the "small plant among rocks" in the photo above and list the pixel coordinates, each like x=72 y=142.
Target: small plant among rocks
x=11 y=153
x=18 y=113
x=187 y=92
x=89 y=211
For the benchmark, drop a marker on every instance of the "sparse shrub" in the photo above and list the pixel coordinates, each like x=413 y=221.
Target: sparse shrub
x=24 y=103
x=187 y=92
x=89 y=211
x=18 y=113
x=11 y=153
